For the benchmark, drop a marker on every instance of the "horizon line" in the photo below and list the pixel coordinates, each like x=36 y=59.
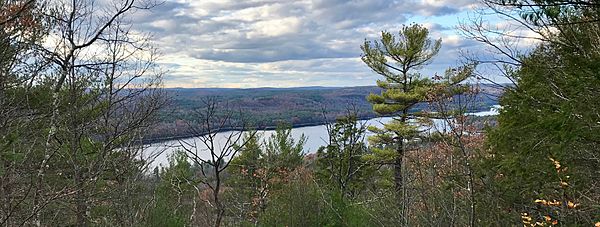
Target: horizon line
x=316 y=86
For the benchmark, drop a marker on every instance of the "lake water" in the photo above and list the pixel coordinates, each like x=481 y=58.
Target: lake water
x=316 y=136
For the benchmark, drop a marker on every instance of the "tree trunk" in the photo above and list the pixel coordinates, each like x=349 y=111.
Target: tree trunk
x=399 y=181
x=81 y=207
x=398 y=169
x=398 y=173
x=220 y=209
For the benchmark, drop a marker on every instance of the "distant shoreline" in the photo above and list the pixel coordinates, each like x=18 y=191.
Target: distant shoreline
x=270 y=127
x=268 y=106
x=263 y=128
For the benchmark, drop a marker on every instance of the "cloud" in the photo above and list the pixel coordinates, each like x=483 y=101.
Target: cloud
x=302 y=42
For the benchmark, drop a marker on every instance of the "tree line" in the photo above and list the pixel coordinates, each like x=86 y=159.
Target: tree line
x=80 y=90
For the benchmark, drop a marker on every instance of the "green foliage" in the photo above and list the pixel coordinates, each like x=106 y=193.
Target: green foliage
x=173 y=194
x=380 y=155
x=80 y=167
x=248 y=178
x=341 y=164
x=404 y=88
x=282 y=150
x=551 y=113
x=243 y=168
x=260 y=169
x=297 y=204
x=303 y=203
x=411 y=50
x=534 y=125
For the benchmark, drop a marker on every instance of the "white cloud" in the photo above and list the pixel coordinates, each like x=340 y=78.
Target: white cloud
x=231 y=43
x=276 y=27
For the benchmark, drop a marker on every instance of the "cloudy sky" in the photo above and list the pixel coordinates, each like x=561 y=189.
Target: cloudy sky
x=289 y=43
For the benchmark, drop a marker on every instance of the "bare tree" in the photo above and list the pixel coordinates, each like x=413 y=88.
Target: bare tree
x=21 y=27
x=458 y=133
x=526 y=24
x=217 y=138
x=97 y=89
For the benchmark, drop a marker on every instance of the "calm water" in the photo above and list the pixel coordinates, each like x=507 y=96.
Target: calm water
x=316 y=136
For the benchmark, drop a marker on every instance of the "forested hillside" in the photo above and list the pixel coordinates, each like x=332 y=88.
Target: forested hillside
x=268 y=107
x=83 y=91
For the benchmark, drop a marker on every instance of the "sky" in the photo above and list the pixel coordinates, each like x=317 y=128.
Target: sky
x=290 y=43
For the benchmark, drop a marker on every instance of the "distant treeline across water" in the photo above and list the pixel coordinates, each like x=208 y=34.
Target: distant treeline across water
x=316 y=136
x=265 y=108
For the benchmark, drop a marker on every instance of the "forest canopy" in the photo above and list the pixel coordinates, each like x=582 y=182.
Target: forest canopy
x=82 y=94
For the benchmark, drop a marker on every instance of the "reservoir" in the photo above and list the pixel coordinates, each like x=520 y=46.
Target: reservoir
x=316 y=136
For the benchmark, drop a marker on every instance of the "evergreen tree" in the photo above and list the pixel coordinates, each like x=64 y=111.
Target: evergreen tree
x=340 y=163
x=174 y=193
x=552 y=113
x=398 y=59
x=546 y=144
x=261 y=169
x=244 y=167
x=282 y=152
x=247 y=178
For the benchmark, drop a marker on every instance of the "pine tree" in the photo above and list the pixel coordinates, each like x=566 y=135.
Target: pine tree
x=282 y=151
x=398 y=59
x=245 y=166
